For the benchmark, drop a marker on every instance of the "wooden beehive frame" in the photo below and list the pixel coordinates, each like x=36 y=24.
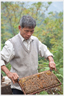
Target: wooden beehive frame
x=38 y=82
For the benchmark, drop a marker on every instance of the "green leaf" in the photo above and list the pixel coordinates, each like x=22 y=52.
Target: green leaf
x=43 y=93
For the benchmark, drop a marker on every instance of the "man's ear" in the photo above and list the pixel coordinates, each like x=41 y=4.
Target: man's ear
x=19 y=27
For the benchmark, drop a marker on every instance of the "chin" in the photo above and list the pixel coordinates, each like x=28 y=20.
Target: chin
x=27 y=38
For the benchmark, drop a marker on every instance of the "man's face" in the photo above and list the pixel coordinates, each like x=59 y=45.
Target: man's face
x=26 y=32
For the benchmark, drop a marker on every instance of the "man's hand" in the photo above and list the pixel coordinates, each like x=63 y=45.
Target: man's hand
x=13 y=77
x=52 y=64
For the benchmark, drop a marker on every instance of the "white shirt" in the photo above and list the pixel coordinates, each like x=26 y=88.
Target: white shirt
x=8 y=52
x=26 y=42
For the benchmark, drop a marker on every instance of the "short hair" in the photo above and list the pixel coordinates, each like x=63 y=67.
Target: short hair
x=27 y=21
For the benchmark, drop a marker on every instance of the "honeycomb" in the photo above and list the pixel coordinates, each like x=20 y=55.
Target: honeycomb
x=38 y=82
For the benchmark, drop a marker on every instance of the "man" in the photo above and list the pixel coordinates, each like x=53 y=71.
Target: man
x=22 y=52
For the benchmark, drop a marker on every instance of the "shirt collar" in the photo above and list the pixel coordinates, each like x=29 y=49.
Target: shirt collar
x=30 y=39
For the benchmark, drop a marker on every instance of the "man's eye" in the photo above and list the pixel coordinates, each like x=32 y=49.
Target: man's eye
x=26 y=31
x=29 y=31
x=32 y=31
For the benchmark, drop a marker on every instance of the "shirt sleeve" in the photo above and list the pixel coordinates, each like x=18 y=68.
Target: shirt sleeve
x=7 y=53
x=43 y=50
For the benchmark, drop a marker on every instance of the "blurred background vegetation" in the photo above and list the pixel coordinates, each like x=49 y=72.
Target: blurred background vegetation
x=49 y=31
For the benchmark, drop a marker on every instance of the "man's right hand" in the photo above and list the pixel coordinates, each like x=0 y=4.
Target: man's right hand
x=13 y=77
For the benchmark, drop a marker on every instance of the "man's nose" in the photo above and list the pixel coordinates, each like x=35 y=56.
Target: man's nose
x=29 y=33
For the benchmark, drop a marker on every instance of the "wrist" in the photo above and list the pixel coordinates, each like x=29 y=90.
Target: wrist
x=7 y=73
x=50 y=58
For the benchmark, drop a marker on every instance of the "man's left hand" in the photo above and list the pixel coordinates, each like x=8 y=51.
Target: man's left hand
x=52 y=64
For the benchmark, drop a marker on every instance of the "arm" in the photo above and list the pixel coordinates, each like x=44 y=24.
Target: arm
x=44 y=52
x=7 y=54
x=12 y=76
x=52 y=64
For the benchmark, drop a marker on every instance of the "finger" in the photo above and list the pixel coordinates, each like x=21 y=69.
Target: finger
x=55 y=68
x=13 y=81
x=16 y=80
x=16 y=76
x=52 y=68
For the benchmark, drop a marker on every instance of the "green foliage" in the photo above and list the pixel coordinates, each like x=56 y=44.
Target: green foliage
x=8 y=66
x=43 y=92
x=49 y=30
